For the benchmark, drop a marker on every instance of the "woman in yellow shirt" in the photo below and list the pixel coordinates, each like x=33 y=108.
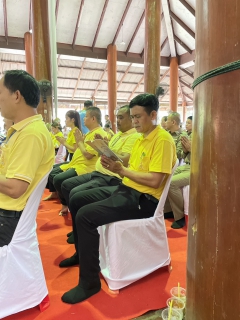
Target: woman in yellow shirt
x=72 y=120
x=56 y=132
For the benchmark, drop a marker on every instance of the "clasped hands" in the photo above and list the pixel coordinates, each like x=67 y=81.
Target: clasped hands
x=186 y=144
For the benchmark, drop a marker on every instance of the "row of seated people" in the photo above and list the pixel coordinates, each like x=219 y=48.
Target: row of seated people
x=99 y=191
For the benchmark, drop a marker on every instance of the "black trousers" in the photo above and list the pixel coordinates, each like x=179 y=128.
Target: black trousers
x=99 y=206
x=86 y=181
x=55 y=170
x=7 y=229
x=59 y=179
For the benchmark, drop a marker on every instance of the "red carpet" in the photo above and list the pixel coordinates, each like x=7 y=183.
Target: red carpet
x=149 y=293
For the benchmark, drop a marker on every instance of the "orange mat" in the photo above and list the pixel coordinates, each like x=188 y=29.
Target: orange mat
x=149 y=293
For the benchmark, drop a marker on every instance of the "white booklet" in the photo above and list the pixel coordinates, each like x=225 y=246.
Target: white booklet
x=101 y=147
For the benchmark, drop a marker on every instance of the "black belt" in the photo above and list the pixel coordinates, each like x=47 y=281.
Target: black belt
x=10 y=213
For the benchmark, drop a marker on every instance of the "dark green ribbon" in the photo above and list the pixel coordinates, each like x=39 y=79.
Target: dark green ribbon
x=216 y=72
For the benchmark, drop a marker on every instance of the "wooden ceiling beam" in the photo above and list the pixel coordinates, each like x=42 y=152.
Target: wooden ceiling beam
x=99 y=82
x=182 y=44
x=79 y=77
x=164 y=75
x=142 y=53
x=139 y=82
x=190 y=74
x=135 y=32
x=5 y=20
x=100 y=23
x=180 y=91
x=30 y=16
x=187 y=5
x=185 y=84
x=166 y=92
x=56 y=9
x=182 y=24
x=164 y=43
x=124 y=75
x=77 y=24
x=187 y=95
x=121 y=22
x=169 y=28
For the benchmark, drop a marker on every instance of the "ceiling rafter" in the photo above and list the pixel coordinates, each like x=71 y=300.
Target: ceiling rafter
x=182 y=24
x=124 y=75
x=169 y=27
x=56 y=9
x=187 y=5
x=5 y=20
x=77 y=24
x=121 y=22
x=181 y=92
x=188 y=96
x=99 y=24
x=30 y=16
x=190 y=74
x=185 y=84
x=135 y=32
x=142 y=53
x=139 y=82
x=164 y=43
x=79 y=77
x=99 y=82
x=164 y=75
x=166 y=92
x=179 y=41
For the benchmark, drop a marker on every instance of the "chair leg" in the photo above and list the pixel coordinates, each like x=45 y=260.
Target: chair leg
x=44 y=304
x=114 y=292
x=170 y=267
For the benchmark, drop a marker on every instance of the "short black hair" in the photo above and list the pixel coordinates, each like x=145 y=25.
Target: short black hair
x=190 y=118
x=72 y=114
x=146 y=100
x=88 y=103
x=95 y=112
x=56 y=124
x=125 y=107
x=28 y=86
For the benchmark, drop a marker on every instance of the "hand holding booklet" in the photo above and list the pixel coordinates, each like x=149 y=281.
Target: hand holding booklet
x=101 y=147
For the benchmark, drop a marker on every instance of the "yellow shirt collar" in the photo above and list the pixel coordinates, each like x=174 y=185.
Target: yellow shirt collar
x=22 y=124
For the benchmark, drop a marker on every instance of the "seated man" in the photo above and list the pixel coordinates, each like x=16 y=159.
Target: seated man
x=180 y=179
x=27 y=154
x=121 y=144
x=152 y=159
x=173 y=127
x=84 y=158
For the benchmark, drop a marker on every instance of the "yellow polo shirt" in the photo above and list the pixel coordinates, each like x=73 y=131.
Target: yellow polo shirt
x=27 y=155
x=79 y=162
x=56 y=143
x=155 y=153
x=71 y=139
x=120 y=142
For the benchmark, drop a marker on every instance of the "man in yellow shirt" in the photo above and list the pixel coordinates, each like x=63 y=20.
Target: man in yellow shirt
x=27 y=154
x=121 y=144
x=152 y=159
x=84 y=158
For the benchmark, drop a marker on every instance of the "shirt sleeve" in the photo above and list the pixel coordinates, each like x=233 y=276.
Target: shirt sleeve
x=25 y=157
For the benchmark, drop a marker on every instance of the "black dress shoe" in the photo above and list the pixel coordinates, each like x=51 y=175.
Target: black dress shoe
x=69 y=234
x=70 y=239
x=69 y=262
x=168 y=215
x=178 y=224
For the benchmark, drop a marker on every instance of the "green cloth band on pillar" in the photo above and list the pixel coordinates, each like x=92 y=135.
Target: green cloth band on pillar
x=216 y=72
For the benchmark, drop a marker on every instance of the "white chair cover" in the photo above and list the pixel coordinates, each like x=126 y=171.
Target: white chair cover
x=131 y=249
x=186 y=199
x=61 y=154
x=22 y=280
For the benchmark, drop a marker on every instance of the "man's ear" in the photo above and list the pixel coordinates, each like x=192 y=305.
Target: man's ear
x=18 y=96
x=154 y=115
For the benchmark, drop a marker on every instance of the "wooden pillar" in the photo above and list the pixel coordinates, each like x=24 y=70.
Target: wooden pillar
x=184 y=107
x=152 y=45
x=213 y=265
x=28 y=52
x=112 y=83
x=41 y=51
x=173 y=84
